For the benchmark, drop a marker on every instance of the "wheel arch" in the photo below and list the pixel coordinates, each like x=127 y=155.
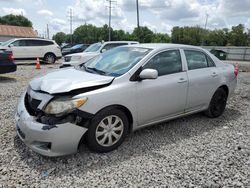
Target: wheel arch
x=225 y=88
x=47 y=53
x=116 y=106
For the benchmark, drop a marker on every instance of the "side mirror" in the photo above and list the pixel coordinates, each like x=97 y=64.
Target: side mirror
x=148 y=74
x=103 y=50
x=10 y=45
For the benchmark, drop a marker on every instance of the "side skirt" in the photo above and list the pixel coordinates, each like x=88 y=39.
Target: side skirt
x=167 y=119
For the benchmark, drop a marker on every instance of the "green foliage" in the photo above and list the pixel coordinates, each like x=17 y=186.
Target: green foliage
x=16 y=20
x=89 y=34
x=237 y=36
x=188 y=35
x=143 y=34
x=59 y=38
x=161 y=38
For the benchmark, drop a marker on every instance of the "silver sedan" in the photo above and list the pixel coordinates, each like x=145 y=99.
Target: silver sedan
x=120 y=91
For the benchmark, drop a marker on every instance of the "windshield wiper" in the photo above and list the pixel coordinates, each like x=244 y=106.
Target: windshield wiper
x=95 y=70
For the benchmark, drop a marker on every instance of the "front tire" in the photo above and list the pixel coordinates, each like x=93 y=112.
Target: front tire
x=217 y=104
x=107 y=130
x=50 y=58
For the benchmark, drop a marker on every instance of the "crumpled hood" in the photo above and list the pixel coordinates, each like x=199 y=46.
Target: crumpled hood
x=66 y=80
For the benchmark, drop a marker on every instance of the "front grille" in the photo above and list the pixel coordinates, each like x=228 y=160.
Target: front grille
x=31 y=104
x=67 y=58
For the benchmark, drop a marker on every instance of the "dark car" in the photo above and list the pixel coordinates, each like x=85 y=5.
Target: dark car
x=6 y=62
x=75 y=49
x=65 y=45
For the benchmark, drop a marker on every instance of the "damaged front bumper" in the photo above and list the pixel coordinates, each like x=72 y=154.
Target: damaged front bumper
x=46 y=139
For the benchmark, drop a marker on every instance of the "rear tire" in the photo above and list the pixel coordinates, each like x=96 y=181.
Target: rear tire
x=217 y=104
x=107 y=130
x=50 y=58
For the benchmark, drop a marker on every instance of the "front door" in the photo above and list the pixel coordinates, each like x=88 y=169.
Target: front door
x=165 y=96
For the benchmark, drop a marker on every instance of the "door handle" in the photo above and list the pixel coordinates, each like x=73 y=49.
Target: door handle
x=182 y=80
x=214 y=74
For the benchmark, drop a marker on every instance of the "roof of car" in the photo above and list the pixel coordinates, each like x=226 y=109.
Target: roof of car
x=163 y=45
x=110 y=42
x=33 y=39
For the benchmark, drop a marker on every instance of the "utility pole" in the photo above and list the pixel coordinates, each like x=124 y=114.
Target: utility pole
x=202 y=43
x=48 y=31
x=206 y=21
x=138 y=16
x=71 y=21
x=110 y=7
x=138 y=20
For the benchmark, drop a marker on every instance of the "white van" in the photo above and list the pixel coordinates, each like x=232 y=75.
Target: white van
x=92 y=51
x=32 y=48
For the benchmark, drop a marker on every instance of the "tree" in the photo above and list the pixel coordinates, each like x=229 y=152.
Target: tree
x=16 y=20
x=188 y=35
x=218 y=37
x=143 y=34
x=237 y=36
x=59 y=38
x=161 y=38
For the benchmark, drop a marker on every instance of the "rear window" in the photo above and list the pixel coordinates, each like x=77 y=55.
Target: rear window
x=38 y=43
x=197 y=60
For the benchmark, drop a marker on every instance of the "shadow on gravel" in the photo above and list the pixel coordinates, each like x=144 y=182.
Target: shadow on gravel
x=6 y=79
x=145 y=142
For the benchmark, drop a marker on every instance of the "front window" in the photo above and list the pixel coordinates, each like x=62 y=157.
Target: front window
x=94 y=47
x=117 y=61
x=8 y=42
x=168 y=62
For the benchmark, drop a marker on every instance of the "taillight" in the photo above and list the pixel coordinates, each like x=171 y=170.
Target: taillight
x=236 y=70
x=10 y=57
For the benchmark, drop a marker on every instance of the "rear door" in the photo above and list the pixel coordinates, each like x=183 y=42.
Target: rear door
x=34 y=48
x=203 y=79
x=166 y=95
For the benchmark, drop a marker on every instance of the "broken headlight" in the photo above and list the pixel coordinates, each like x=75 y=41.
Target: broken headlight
x=64 y=106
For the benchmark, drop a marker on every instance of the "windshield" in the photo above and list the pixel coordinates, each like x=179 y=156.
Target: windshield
x=7 y=42
x=94 y=47
x=116 y=61
x=77 y=46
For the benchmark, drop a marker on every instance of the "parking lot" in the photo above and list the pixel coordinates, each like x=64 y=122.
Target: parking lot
x=193 y=151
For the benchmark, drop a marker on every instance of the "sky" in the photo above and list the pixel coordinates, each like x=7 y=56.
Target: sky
x=158 y=15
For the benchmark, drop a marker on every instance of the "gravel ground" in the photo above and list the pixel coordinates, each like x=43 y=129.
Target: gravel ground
x=194 y=151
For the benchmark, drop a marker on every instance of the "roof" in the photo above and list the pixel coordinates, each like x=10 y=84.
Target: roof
x=114 y=42
x=17 y=31
x=29 y=38
x=163 y=45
